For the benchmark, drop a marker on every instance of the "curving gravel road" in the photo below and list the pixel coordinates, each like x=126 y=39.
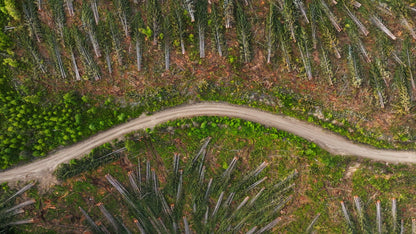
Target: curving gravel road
x=42 y=169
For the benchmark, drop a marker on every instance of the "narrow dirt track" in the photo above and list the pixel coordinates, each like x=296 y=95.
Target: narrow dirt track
x=42 y=169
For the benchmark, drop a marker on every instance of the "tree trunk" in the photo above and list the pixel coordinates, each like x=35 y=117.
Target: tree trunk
x=154 y=32
x=59 y=61
x=70 y=7
x=95 y=11
x=108 y=60
x=125 y=25
x=364 y=52
x=138 y=56
x=409 y=27
x=182 y=44
x=301 y=7
x=269 y=52
x=74 y=63
x=412 y=80
x=167 y=57
x=382 y=27
x=40 y=5
x=354 y=18
x=331 y=16
x=94 y=44
x=380 y=98
x=336 y=51
x=38 y=61
x=219 y=47
x=201 y=34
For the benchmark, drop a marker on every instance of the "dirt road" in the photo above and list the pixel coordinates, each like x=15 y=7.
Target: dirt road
x=42 y=169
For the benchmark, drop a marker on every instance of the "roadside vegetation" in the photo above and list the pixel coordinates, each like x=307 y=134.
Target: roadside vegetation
x=70 y=69
x=323 y=180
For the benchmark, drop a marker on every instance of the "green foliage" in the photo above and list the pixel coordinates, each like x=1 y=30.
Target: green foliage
x=354 y=68
x=271 y=30
x=38 y=127
x=157 y=99
x=408 y=69
x=11 y=62
x=201 y=23
x=91 y=67
x=146 y=31
x=55 y=53
x=98 y=156
x=124 y=14
x=289 y=15
x=283 y=38
x=322 y=184
x=217 y=29
x=403 y=102
x=178 y=24
x=377 y=74
x=303 y=45
x=189 y=6
x=90 y=27
x=11 y=9
x=32 y=20
x=328 y=32
x=37 y=60
x=138 y=30
x=154 y=18
x=57 y=8
x=244 y=34
x=167 y=39
x=31 y=128
x=326 y=66
x=115 y=37
x=226 y=202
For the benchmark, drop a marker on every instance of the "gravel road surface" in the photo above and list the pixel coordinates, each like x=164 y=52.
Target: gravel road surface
x=42 y=169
